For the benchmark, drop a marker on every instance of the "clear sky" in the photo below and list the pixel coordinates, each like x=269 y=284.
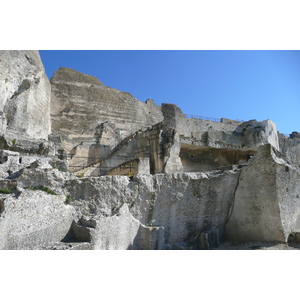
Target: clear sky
x=219 y=84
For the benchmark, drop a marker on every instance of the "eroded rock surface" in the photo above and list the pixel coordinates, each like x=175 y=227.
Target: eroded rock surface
x=24 y=96
x=266 y=204
x=78 y=123
x=33 y=219
x=162 y=211
x=177 y=182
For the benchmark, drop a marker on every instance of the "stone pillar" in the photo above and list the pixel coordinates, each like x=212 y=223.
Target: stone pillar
x=173 y=162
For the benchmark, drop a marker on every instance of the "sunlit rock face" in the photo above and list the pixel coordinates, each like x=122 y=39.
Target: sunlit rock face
x=266 y=203
x=24 y=96
x=32 y=220
x=194 y=182
x=81 y=105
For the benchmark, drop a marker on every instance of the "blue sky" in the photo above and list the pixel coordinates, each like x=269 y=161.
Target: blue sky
x=231 y=84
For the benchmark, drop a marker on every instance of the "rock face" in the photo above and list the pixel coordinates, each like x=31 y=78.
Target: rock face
x=24 y=96
x=182 y=205
x=43 y=206
x=174 y=182
x=78 y=124
x=122 y=231
x=33 y=219
x=266 y=205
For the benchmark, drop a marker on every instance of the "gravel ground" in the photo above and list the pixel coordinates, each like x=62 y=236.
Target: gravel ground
x=258 y=246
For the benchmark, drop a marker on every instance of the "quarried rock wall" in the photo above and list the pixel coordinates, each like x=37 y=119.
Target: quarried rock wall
x=33 y=219
x=266 y=205
x=185 y=204
x=81 y=103
x=24 y=96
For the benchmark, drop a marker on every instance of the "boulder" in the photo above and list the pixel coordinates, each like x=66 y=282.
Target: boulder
x=256 y=134
x=33 y=219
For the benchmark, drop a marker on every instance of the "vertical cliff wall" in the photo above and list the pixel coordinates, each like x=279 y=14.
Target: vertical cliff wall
x=266 y=204
x=24 y=96
x=80 y=103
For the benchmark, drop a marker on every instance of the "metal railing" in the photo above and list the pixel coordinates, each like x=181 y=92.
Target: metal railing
x=203 y=118
x=112 y=148
x=98 y=168
x=209 y=118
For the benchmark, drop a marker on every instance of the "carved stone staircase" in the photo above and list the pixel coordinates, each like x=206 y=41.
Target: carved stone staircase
x=112 y=151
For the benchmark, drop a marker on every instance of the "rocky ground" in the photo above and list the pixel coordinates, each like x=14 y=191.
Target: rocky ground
x=258 y=246
x=224 y=246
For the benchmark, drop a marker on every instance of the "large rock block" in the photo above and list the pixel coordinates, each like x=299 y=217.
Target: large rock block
x=123 y=232
x=33 y=220
x=185 y=204
x=255 y=134
x=188 y=204
x=266 y=205
x=24 y=96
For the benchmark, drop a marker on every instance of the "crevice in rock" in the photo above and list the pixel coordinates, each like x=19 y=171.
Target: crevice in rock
x=3 y=159
x=230 y=210
x=211 y=238
x=78 y=234
x=1 y=206
x=294 y=238
x=30 y=60
x=25 y=85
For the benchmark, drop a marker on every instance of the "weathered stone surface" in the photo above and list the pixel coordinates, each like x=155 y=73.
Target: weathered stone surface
x=41 y=174
x=143 y=166
x=33 y=219
x=113 y=212
x=13 y=164
x=174 y=118
x=206 y=176
x=288 y=195
x=122 y=231
x=177 y=145
x=190 y=203
x=185 y=204
x=211 y=238
x=290 y=148
x=24 y=96
x=266 y=205
x=144 y=145
x=256 y=134
x=9 y=163
x=173 y=161
x=77 y=123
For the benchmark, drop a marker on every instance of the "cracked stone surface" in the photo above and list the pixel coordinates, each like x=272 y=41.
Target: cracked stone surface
x=24 y=94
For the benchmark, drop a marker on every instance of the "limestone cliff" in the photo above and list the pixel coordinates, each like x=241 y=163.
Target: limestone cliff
x=266 y=205
x=24 y=96
x=81 y=103
x=162 y=211
x=173 y=182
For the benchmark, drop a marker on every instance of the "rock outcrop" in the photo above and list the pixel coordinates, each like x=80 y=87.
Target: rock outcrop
x=172 y=182
x=78 y=124
x=266 y=205
x=162 y=211
x=24 y=96
x=33 y=219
